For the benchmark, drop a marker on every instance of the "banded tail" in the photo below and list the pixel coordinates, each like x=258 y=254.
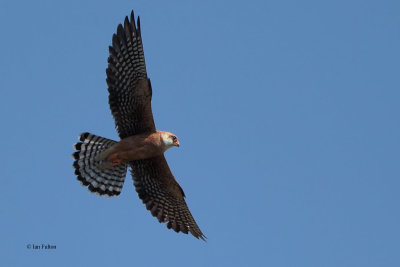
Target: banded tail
x=107 y=181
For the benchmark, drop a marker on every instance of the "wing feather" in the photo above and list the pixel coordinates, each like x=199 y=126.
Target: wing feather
x=128 y=85
x=163 y=196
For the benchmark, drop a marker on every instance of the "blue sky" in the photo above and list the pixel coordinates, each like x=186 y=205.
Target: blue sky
x=288 y=118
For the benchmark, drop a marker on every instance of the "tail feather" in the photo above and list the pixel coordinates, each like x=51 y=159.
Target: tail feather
x=103 y=181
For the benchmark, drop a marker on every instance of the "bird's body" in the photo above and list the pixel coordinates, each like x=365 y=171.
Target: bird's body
x=101 y=163
x=137 y=147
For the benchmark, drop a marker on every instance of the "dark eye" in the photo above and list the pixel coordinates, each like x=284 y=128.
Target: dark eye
x=174 y=138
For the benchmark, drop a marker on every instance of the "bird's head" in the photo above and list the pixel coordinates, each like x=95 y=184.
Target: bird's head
x=169 y=139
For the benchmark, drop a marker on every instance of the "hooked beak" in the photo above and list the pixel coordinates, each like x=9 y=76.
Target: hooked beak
x=177 y=144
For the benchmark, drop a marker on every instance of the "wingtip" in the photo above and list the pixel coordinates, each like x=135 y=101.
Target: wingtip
x=133 y=23
x=120 y=32
x=199 y=235
x=126 y=23
x=203 y=237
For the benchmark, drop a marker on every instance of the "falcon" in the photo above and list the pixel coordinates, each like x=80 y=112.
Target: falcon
x=101 y=164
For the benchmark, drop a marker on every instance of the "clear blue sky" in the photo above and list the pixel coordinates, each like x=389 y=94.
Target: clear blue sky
x=288 y=118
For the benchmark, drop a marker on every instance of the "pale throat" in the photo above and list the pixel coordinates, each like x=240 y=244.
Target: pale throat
x=167 y=140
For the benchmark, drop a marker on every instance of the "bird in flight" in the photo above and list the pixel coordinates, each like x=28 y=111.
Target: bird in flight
x=101 y=163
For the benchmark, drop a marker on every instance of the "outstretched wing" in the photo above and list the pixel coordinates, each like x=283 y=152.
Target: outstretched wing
x=128 y=85
x=162 y=195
